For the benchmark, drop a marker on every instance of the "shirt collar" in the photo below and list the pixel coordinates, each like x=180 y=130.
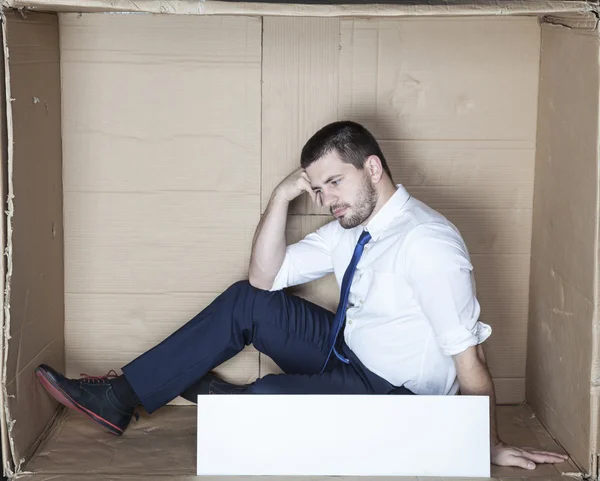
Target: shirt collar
x=388 y=212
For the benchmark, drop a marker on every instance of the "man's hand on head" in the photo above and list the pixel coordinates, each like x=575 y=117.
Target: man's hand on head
x=295 y=185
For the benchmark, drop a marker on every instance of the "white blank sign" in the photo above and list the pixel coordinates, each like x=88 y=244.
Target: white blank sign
x=343 y=435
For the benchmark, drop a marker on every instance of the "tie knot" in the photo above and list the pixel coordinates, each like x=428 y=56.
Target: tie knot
x=364 y=238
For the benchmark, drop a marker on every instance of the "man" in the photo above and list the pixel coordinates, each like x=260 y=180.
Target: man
x=407 y=321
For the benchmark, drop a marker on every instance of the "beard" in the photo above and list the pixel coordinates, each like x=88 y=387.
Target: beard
x=362 y=208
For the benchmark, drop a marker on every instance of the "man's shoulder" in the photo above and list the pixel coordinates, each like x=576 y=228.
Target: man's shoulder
x=420 y=213
x=427 y=228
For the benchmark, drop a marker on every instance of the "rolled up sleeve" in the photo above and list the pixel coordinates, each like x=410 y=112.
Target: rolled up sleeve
x=440 y=272
x=306 y=260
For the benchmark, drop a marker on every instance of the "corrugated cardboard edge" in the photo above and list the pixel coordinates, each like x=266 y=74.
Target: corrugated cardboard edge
x=7 y=422
x=433 y=8
x=3 y=174
x=595 y=377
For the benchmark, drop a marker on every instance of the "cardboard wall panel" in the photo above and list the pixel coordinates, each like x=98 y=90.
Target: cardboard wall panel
x=300 y=93
x=450 y=79
x=96 y=351
x=36 y=286
x=162 y=177
x=442 y=98
x=564 y=249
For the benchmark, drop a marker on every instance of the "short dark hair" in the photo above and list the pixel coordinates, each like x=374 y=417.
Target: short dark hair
x=350 y=140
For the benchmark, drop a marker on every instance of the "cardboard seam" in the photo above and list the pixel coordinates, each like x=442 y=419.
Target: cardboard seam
x=565 y=426
x=12 y=466
x=55 y=423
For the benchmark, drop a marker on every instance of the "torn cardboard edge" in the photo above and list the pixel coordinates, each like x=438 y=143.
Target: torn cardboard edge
x=210 y=7
x=4 y=443
x=587 y=21
x=8 y=450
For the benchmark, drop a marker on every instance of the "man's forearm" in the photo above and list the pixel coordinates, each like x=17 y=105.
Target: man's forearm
x=486 y=389
x=479 y=383
x=268 y=245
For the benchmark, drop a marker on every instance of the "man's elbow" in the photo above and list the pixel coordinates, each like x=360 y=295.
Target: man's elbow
x=481 y=354
x=260 y=282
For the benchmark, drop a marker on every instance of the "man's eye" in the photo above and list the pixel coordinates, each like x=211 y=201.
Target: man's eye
x=335 y=182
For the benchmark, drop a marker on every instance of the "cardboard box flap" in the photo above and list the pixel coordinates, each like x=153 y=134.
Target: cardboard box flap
x=4 y=440
x=315 y=7
x=563 y=301
x=34 y=303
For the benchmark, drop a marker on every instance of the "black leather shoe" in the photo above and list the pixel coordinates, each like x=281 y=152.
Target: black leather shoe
x=92 y=396
x=210 y=383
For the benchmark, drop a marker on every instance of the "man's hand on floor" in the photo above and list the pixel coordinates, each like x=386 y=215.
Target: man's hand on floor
x=504 y=455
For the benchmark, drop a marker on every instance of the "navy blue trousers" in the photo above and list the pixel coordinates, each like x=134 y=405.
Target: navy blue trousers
x=287 y=328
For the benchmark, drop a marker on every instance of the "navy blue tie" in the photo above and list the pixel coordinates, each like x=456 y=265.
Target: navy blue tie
x=340 y=314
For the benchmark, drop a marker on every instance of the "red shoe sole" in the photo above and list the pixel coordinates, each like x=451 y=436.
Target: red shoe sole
x=62 y=397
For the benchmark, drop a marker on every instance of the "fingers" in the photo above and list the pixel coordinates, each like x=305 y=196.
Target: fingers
x=305 y=185
x=544 y=456
x=525 y=458
x=519 y=461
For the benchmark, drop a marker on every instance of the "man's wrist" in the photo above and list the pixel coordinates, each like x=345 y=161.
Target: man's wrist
x=279 y=198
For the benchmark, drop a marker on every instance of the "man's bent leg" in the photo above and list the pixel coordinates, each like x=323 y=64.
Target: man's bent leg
x=290 y=330
x=343 y=379
x=338 y=378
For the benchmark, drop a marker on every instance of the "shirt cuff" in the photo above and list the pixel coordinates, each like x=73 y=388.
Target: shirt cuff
x=460 y=338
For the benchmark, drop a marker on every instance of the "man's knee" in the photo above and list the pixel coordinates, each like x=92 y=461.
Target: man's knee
x=241 y=285
x=241 y=290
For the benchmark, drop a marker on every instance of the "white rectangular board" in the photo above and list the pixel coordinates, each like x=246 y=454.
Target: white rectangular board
x=343 y=435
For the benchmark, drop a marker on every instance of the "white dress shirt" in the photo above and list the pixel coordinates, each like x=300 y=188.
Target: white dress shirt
x=412 y=302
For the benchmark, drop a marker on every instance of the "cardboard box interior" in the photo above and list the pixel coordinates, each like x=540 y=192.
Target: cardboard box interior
x=142 y=149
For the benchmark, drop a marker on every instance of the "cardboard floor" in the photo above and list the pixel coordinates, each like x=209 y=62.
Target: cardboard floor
x=163 y=446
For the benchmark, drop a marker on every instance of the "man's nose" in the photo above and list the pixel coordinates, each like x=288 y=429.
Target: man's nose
x=328 y=198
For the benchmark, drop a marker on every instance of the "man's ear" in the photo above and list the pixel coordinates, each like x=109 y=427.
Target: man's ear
x=374 y=168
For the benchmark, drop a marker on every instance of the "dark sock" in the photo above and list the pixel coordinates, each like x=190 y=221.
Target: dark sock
x=124 y=392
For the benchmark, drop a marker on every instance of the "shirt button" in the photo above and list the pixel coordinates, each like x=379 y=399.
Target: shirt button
x=350 y=321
